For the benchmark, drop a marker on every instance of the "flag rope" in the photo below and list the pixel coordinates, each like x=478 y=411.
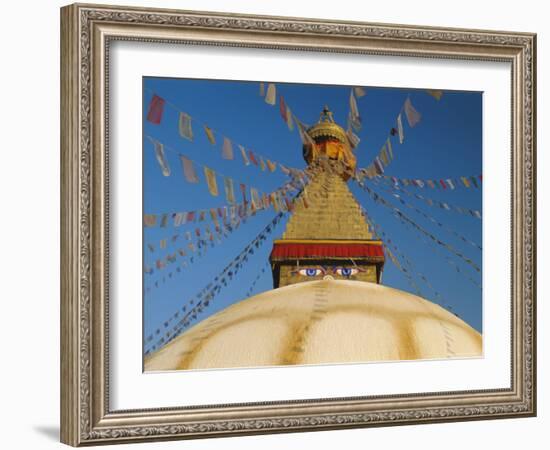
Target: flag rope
x=215 y=132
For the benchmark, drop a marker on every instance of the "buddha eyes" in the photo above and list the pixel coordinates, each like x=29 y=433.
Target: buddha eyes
x=346 y=271
x=311 y=272
x=316 y=271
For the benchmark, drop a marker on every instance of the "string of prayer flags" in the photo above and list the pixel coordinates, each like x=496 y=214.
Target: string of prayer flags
x=185 y=129
x=229 y=191
x=271 y=95
x=413 y=116
x=188 y=170
x=400 y=129
x=227 y=149
x=443 y=183
x=161 y=158
x=210 y=134
x=211 y=182
x=394 y=191
x=401 y=216
x=196 y=304
x=156 y=109
x=398 y=183
x=435 y=93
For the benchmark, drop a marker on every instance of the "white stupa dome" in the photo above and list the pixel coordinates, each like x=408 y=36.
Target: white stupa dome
x=320 y=322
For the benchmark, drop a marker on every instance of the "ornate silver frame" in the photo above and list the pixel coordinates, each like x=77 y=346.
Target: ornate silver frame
x=86 y=32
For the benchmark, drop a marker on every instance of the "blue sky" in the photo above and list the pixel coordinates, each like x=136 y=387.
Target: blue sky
x=447 y=143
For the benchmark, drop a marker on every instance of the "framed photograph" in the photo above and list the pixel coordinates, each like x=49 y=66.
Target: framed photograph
x=277 y=225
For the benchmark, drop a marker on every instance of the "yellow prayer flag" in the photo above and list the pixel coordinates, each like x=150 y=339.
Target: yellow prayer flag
x=271 y=165
x=435 y=93
x=465 y=181
x=210 y=176
x=262 y=164
x=210 y=135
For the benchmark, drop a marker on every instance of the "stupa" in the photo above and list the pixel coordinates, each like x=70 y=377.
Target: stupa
x=328 y=304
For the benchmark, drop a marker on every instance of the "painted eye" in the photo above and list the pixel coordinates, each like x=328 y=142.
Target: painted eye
x=346 y=271
x=310 y=272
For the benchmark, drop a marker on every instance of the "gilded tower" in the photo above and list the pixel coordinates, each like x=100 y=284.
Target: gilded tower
x=327 y=236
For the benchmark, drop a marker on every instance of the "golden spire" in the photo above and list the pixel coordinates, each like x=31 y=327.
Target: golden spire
x=330 y=140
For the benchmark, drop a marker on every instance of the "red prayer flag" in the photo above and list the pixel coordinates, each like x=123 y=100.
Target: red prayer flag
x=252 y=157
x=443 y=185
x=156 y=108
x=282 y=108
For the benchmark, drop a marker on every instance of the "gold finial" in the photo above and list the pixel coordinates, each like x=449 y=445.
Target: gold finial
x=326 y=115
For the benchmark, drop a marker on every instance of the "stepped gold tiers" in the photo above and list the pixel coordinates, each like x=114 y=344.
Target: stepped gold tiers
x=321 y=322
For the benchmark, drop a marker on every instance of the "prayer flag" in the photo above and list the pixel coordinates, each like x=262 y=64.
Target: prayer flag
x=359 y=91
x=389 y=147
x=384 y=156
x=243 y=192
x=243 y=153
x=156 y=108
x=188 y=170
x=435 y=93
x=210 y=135
x=161 y=158
x=262 y=89
x=186 y=131
x=378 y=166
x=450 y=183
x=229 y=192
x=400 y=129
x=164 y=220
x=352 y=137
x=262 y=164
x=289 y=119
x=465 y=182
x=162 y=243
x=355 y=118
x=306 y=138
x=210 y=176
x=474 y=182
x=431 y=183
x=413 y=116
x=178 y=219
x=255 y=198
x=227 y=149
x=252 y=157
x=191 y=216
x=282 y=108
x=271 y=96
x=443 y=185
x=150 y=220
x=271 y=165
x=284 y=169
